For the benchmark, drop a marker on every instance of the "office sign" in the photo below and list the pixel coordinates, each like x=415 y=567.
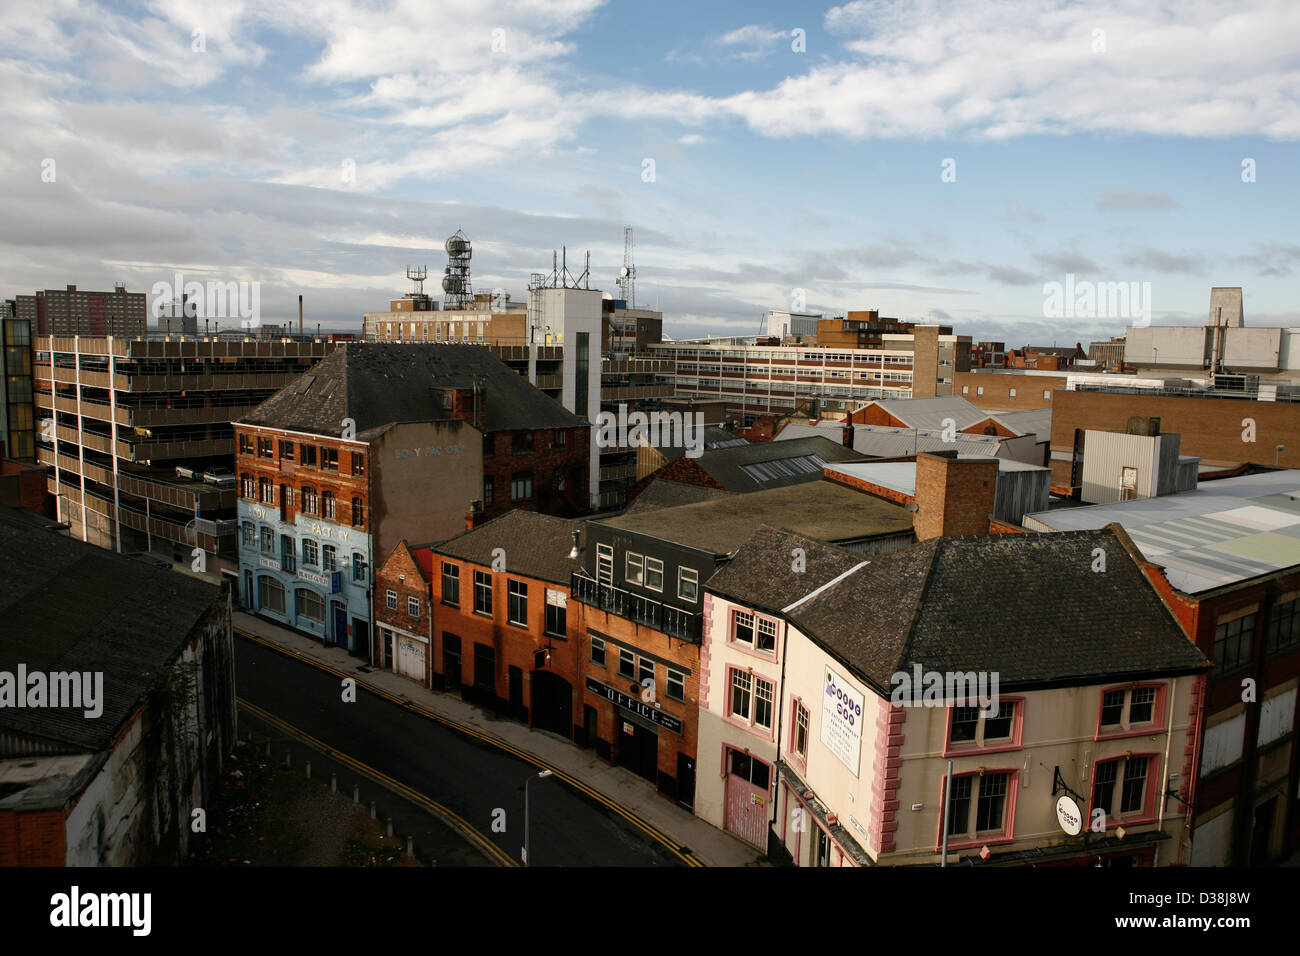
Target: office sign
x=636 y=706
x=842 y=721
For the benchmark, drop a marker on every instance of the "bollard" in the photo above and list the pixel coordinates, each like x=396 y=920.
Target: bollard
x=288 y=759
x=308 y=769
x=373 y=815
x=410 y=846
x=334 y=783
x=356 y=794
x=390 y=828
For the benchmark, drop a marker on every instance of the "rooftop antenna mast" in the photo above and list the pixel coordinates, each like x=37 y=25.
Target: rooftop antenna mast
x=627 y=274
x=418 y=274
x=457 y=291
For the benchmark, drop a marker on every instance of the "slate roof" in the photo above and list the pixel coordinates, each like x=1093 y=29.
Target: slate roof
x=727 y=466
x=714 y=436
x=662 y=493
x=69 y=606
x=823 y=510
x=536 y=545
x=382 y=383
x=1026 y=606
x=761 y=575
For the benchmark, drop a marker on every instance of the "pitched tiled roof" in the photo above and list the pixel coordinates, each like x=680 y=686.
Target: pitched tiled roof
x=761 y=574
x=535 y=545
x=69 y=606
x=1026 y=606
x=381 y=383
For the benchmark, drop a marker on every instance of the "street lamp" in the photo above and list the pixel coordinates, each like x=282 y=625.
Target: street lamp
x=538 y=776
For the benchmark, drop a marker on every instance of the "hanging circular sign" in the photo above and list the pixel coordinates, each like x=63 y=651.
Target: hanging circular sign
x=1068 y=815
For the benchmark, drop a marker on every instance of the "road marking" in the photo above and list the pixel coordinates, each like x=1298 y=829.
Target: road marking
x=681 y=852
x=449 y=817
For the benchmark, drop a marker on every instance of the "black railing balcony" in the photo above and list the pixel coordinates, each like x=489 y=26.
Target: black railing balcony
x=684 y=625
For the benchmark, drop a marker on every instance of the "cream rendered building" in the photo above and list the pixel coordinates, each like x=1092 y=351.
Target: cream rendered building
x=1097 y=700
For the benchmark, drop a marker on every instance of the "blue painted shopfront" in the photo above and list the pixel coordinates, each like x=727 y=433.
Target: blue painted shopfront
x=312 y=575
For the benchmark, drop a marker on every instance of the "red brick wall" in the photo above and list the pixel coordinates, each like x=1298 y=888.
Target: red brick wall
x=875 y=415
x=513 y=646
x=389 y=576
x=628 y=634
x=344 y=484
x=978 y=428
x=953 y=497
x=889 y=494
x=1210 y=428
x=32 y=839
x=997 y=390
x=544 y=461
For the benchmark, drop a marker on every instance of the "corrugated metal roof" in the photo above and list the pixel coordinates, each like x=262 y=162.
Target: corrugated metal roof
x=1225 y=531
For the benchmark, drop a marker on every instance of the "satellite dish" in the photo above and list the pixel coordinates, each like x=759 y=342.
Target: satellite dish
x=623 y=272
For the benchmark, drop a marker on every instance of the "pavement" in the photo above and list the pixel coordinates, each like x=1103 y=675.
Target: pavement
x=708 y=844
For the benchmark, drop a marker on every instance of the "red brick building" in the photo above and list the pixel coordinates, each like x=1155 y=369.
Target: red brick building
x=381 y=443
x=1218 y=430
x=404 y=619
x=502 y=634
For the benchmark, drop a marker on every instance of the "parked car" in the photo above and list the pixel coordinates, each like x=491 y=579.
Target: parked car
x=187 y=473
x=222 y=477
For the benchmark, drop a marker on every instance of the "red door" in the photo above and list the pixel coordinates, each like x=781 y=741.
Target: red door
x=748 y=797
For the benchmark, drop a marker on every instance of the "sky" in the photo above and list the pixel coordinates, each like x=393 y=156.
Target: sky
x=935 y=161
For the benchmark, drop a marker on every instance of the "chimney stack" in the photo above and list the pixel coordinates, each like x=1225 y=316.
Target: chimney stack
x=300 y=315
x=846 y=437
x=953 y=495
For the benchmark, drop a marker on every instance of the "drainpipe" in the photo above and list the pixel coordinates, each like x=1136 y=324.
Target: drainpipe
x=780 y=713
x=1164 y=770
x=947 y=807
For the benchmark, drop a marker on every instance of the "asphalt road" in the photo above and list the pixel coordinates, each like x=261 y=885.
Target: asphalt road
x=466 y=775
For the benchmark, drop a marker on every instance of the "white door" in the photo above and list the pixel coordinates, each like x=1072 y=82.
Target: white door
x=410 y=657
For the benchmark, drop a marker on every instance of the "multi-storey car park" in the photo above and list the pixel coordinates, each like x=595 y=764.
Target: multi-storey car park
x=119 y=415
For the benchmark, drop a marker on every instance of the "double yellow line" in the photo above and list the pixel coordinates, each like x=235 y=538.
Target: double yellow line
x=649 y=829
x=448 y=816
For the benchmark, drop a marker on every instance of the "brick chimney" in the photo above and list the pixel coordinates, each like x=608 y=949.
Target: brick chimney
x=953 y=495
x=847 y=437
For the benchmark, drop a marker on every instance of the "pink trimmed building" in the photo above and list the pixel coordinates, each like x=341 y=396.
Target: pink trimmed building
x=1098 y=696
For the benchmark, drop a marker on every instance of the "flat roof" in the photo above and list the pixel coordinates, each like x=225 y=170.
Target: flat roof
x=822 y=510
x=901 y=475
x=1225 y=531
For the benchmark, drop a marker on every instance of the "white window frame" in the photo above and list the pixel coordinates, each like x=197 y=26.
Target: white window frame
x=691 y=576
x=413 y=606
x=654 y=566
x=632 y=559
x=390 y=599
